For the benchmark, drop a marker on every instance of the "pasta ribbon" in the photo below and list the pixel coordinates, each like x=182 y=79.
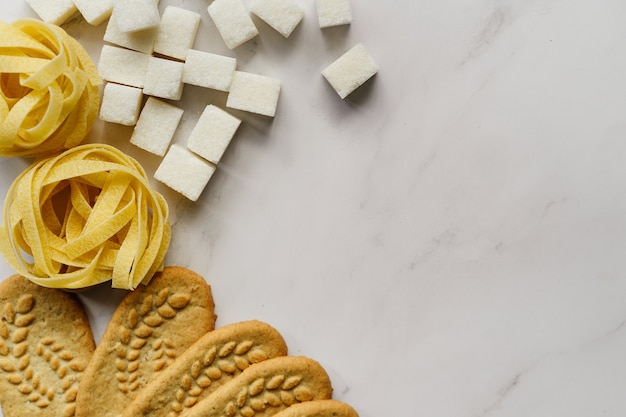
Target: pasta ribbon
x=49 y=89
x=83 y=217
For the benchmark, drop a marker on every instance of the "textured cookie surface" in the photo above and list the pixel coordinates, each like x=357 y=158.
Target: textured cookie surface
x=319 y=408
x=45 y=345
x=266 y=388
x=151 y=327
x=216 y=358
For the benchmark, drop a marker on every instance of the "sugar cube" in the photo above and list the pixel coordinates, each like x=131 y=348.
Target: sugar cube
x=208 y=70
x=120 y=104
x=254 y=93
x=184 y=172
x=350 y=70
x=177 y=32
x=233 y=22
x=141 y=41
x=123 y=66
x=53 y=11
x=282 y=15
x=95 y=11
x=333 y=12
x=134 y=15
x=164 y=78
x=212 y=133
x=155 y=128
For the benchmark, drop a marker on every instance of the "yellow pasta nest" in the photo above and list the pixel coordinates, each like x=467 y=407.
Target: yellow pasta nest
x=48 y=87
x=84 y=217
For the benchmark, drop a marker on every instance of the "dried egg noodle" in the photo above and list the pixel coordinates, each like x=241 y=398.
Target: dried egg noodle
x=49 y=89
x=84 y=217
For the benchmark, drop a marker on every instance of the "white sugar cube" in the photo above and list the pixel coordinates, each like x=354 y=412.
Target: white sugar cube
x=135 y=15
x=164 y=78
x=155 y=128
x=233 y=22
x=95 y=11
x=212 y=133
x=333 y=12
x=184 y=172
x=53 y=11
x=350 y=70
x=177 y=32
x=123 y=66
x=282 y=15
x=208 y=70
x=141 y=41
x=254 y=93
x=120 y=104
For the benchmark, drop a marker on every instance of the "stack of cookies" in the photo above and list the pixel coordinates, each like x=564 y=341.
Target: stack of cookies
x=160 y=356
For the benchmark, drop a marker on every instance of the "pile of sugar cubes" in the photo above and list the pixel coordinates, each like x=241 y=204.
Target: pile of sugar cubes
x=149 y=57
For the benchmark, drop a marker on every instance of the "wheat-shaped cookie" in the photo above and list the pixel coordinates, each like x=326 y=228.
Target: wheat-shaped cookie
x=319 y=408
x=265 y=388
x=216 y=358
x=151 y=327
x=45 y=345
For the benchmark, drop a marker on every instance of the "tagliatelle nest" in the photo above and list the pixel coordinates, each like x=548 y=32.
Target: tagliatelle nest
x=85 y=217
x=49 y=94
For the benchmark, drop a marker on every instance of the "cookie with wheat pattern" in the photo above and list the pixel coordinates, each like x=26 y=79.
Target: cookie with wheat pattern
x=45 y=346
x=266 y=388
x=319 y=408
x=216 y=358
x=151 y=327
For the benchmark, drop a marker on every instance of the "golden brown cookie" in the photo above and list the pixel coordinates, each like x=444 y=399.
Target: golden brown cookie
x=151 y=327
x=265 y=388
x=45 y=345
x=216 y=358
x=319 y=408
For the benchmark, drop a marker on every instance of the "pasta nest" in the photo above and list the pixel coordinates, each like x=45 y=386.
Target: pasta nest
x=49 y=89
x=83 y=217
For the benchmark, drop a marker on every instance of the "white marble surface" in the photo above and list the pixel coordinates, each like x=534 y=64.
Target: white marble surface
x=449 y=241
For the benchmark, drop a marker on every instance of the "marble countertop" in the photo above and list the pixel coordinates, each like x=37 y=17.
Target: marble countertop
x=449 y=240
